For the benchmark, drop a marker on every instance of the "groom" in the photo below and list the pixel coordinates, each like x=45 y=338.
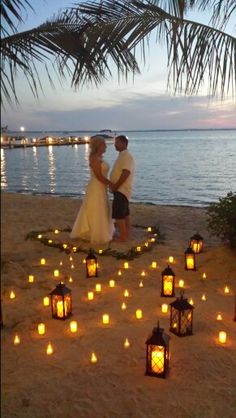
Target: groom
x=122 y=181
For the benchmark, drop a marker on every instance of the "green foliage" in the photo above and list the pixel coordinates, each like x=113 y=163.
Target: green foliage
x=222 y=219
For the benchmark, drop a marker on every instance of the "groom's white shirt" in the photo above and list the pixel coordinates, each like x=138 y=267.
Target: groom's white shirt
x=124 y=161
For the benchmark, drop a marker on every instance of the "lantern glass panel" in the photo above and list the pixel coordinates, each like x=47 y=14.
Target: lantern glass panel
x=168 y=285
x=181 y=317
x=61 y=306
x=157 y=358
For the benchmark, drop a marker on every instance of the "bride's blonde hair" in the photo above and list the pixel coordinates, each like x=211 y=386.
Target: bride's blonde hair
x=95 y=142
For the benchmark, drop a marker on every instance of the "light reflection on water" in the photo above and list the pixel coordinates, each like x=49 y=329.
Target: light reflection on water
x=174 y=167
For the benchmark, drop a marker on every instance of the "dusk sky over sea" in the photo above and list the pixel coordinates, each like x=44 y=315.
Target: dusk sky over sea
x=142 y=103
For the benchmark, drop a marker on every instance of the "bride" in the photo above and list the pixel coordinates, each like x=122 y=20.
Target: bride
x=94 y=222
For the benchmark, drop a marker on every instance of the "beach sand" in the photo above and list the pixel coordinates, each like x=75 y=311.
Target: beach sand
x=201 y=382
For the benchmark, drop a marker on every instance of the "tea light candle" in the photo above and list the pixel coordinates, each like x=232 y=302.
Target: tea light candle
x=126 y=343
x=31 y=278
x=65 y=246
x=70 y=279
x=126 y=265
x=50 y=241
x=181 y=283
x=140 y=283
x=222 y=337
x=90 y=295
x=123 y=306
x=49 y=349
x=226 y=289
x=139 y=313
x=146 y=244
x=56 y=231
x=71 y=258
x=46 y=301
x=39 y=236
x=119 y=273
x=143 y=273
x=93 y=358
x=41 y=328
x=203 y=296
x=126 y=293
x=61 y=263
x=164 y=308
x=98 y=287
x=74 y=249
x=154 y=264
x=191 y=301
x=72 y=266
x=139 y=249
x=73 y=326
x=105 y=319
x=100 y=251
x=56 y=273
x=84 y=261
x=219 y=317
x=16 y=340
x=171 y=259
x=12 y=295
x=149 y=229
x=112 y=283
x=42 y=261
x=204 y=275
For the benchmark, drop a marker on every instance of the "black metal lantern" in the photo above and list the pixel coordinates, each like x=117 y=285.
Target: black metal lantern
x=196 y=243
x=91 y=264
x=181 y=317
x=61 y=302
x=157 y=353
x=190 y=259
x=168 y=282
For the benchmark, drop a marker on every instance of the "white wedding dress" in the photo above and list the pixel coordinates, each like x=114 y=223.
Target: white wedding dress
x=94 y=222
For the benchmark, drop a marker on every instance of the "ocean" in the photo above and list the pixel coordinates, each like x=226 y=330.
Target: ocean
x=183 y=167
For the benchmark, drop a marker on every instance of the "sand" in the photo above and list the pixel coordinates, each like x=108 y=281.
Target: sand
x=201 y=382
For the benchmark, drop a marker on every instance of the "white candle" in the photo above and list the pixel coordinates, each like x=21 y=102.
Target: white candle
x=222 y=337
x=126 y=265
x=93 y=358
x=98 y=287
x=219 y=317
x=49 y=349
x=226 y=289
x=112 y=283
x=31 y=278
x=90 y=295
x=16 y=340
x=41 y=328
x=126 y=293
x=42 y=261
x=181 y=283
x=171 y=259
x=140 y=283
x=12 y=295
x=164 y=308
x=56 y=273
x=123 y=306
x=46 y=301
x=73 y=326
x=126 y=343
x=139 y=313
x=105 y=319
x=203 y=296
x=154 y=264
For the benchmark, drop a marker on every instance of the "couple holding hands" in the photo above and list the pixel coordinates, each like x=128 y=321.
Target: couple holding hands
x=95 y=222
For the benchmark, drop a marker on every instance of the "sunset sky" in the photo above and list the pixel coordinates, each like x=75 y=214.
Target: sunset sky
x=142 y=103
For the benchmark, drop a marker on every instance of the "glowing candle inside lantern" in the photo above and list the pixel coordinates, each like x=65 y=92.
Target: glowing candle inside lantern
x=93 y=358
x=168 y=285
x=73 y=326
x=42 y=261
x=56 y=273
x=203 y=296
x=16 y=340
x=105 y=319
x=126 y=293
x=219 y=317
x=139 y=313
x=90 y=295
x=39 y=236
x=112 y=283
x=41 y=328
x=171 y=259
x=98 y=287
x=123 y=306
x=31 y=278
x=158 y=361
x=140 y=283
x=139 y=249
x=164 y=308
x=49 y=349
x=126 y=265
x=60 y=312
x=12 y=295
x=222 y=337
x=46 y=301
x=190 y=262
x=146 y=244
x=154 y=264
x=226 y=289
x=126 y=343
x=119 y=273
x=181 y=283
x=65 y=246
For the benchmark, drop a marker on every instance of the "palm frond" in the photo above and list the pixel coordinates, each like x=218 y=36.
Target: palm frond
x=10 y=11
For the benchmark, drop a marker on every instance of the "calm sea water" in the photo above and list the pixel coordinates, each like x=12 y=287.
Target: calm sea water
x=191 y=168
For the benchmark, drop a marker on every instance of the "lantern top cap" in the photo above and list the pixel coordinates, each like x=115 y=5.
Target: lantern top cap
x=91 y=254
x=60 y=289
x=158 y=337
x=168 y=271
x=181 y=303
x=197 y=237
x=189 y=251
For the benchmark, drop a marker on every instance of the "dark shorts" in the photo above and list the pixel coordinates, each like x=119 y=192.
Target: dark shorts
x=120 y=206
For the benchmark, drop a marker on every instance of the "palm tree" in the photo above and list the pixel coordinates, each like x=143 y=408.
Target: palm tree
x=87 y=40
